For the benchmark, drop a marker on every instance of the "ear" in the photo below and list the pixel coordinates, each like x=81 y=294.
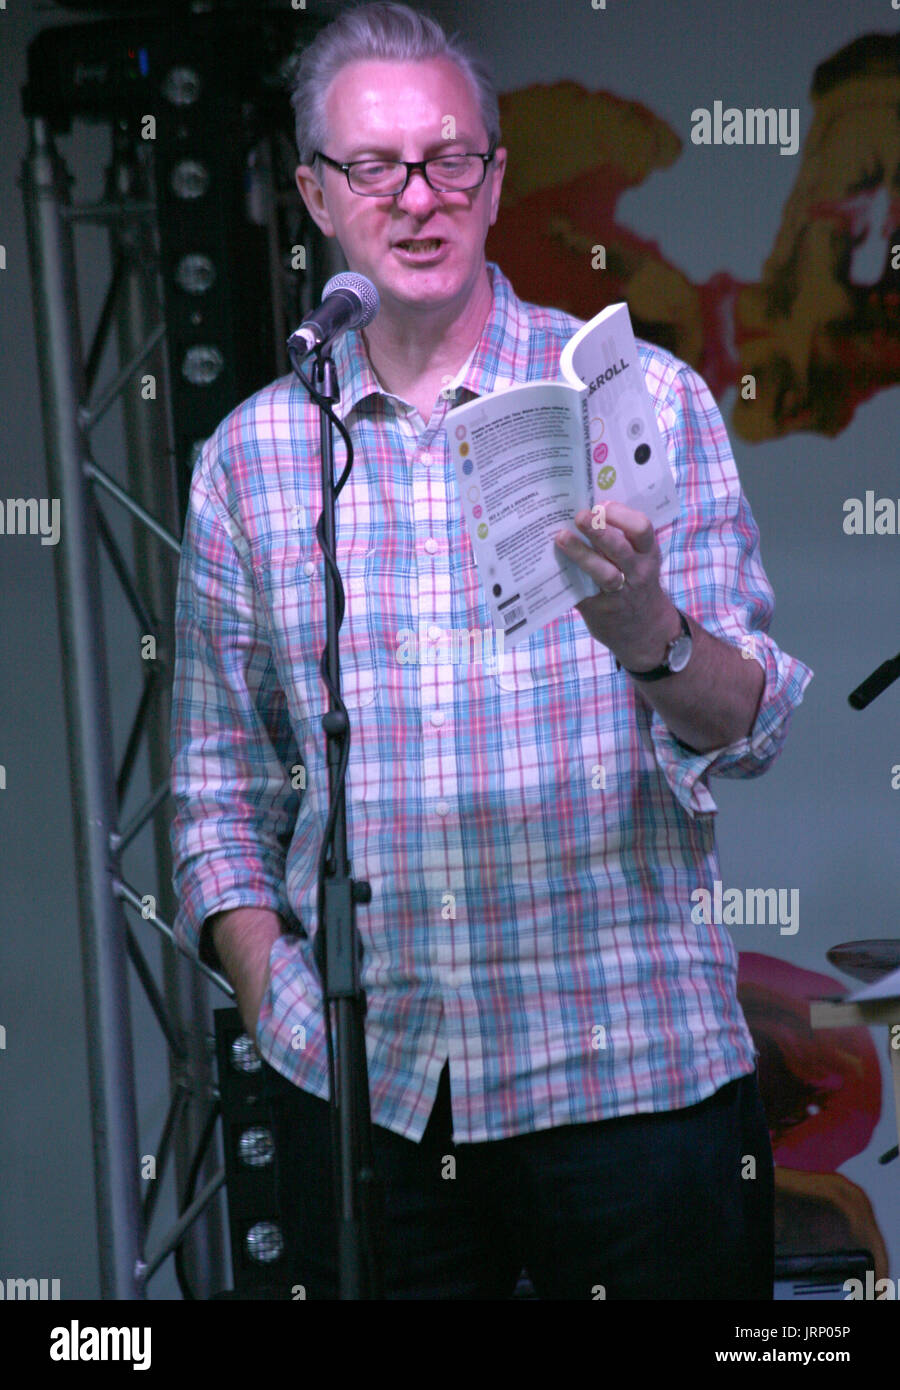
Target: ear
x=313 y=196
x=497 y=170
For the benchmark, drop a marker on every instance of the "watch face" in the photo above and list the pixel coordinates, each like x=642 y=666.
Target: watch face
x=681 y=653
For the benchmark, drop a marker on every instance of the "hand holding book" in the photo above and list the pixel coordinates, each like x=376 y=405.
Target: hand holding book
x=529 y=457
x=634 y=618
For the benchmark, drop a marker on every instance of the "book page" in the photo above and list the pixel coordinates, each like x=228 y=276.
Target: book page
x=886 y=988
x=627 y=449
x=520 y=463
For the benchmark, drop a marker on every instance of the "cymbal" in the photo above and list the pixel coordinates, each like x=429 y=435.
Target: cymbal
x=866 y=960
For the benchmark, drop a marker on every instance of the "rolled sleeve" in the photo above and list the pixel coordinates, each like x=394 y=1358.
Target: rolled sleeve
x=712 y=568
x=232 y=745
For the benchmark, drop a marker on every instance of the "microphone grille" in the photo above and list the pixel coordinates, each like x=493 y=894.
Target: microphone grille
x=362 y=288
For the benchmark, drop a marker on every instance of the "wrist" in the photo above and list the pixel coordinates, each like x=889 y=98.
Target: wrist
x=242 y=937
x=650 y=647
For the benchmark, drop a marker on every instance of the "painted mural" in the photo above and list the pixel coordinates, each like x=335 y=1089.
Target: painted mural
x=819 y=330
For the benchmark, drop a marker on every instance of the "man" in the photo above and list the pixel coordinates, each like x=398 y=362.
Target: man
x=542 y=1009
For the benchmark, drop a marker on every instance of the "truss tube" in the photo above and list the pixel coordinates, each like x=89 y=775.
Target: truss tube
x=153 y=485
x=112 y=487
x=185 y=1222
x=76 y=558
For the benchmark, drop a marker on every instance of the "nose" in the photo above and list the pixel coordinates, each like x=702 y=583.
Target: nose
x=418 y=196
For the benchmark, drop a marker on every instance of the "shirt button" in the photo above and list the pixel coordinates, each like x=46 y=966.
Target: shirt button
x=435 y=633
x=431 y=545
x=443 y=808
x=427 y=458
x=309 y=567
x=437 y=716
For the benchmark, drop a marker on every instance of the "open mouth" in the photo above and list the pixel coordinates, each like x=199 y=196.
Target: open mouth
x=419 y=246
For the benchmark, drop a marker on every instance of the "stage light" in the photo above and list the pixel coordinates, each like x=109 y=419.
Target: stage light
x=264 y=1242
x=189 y=179
x=194 y=453
x=256 y=1147
x=202 y=364
x=181 y=86
x=244 y=1056
x=195 y=273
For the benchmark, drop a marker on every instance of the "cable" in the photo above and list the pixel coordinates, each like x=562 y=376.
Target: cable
x=320 y=947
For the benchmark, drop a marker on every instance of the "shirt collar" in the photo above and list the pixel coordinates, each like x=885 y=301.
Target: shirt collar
x=498 y=359
x=501 y=354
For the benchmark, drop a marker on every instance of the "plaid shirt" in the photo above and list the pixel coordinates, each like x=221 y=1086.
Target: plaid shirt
x=531 y=830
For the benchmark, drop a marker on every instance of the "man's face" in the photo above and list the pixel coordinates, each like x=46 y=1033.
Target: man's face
x=423 y=250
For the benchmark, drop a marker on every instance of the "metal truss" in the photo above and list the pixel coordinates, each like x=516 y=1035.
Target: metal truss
x=72 y=406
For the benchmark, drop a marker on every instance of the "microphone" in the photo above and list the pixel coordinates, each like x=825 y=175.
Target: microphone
x=348 y=301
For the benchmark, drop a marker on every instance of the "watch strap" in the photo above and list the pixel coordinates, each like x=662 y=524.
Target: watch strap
x=664 y=668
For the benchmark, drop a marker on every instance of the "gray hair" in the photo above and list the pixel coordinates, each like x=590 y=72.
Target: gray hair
x=387 y=31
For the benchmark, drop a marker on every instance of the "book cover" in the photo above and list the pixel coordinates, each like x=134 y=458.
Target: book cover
x=529 y=457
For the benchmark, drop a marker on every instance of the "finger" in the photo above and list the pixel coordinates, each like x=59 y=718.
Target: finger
x=605 y=572
x=608 y=540
x=636 y=525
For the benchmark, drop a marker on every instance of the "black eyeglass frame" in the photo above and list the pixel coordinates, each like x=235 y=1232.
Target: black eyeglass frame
x=411 y=166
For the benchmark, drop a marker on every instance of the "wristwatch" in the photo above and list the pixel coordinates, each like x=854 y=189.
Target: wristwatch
x=678 y=654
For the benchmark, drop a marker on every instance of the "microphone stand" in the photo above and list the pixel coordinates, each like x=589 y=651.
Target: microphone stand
x=338 y=948
x=880 y=679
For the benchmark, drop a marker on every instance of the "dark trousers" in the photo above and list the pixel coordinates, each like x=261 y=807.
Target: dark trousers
x=658 y=1206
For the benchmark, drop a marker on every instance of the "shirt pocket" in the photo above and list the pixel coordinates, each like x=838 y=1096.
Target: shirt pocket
x=520 y=669
x=292 y=582
x=562 y=653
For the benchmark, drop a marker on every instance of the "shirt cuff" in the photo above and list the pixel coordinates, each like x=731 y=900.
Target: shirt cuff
x=196 y=906
x=686 y=770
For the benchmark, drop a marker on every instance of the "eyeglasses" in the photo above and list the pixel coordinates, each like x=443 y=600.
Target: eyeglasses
x=387 y=178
